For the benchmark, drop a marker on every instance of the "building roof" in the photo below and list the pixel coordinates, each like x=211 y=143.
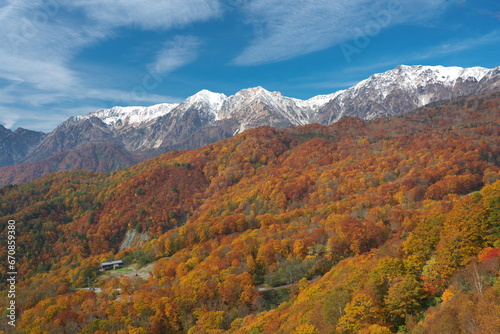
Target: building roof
x=111 y=263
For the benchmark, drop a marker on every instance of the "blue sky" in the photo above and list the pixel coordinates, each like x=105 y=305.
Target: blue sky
x=60 y=58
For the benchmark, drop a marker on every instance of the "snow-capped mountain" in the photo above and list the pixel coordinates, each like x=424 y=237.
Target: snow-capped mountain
x=137 y=133
x=316 y=102
x=120 y=117
x=405 y=88
x=207 y=102
x=254 y=107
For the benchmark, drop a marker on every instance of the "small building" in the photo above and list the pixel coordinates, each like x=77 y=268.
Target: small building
x=110 y=265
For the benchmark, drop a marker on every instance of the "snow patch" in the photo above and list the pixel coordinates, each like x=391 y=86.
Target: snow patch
x=119 y=117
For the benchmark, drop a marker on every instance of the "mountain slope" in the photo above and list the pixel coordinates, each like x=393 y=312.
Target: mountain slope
x=16 y=145
x=70 y=134
x=255 y=107
x=95 y=156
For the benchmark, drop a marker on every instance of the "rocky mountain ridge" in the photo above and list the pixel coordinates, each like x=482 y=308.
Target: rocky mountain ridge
x=16 y=145
x=390 y=93
x=206 y=117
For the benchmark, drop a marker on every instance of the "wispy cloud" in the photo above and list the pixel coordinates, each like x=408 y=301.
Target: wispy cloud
x=180 y=51
x=39 y=40
x=149 y=14
x=286 y=29
x=434 y=52
x=10 y=116
x=37 y=44
x=460 y=45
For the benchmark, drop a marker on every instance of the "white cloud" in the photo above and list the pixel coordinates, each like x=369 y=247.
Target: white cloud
x=9 y=117
x=127 y=97
x=460 y=45
x=442 y=50
x=40 y=38
x=149 y=14
x=12 y=118
x=177 y=53
x=43 y=75
x=286 y=29
x=39 y=41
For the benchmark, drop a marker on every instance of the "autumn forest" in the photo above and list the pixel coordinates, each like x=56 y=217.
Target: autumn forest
x=372 y=227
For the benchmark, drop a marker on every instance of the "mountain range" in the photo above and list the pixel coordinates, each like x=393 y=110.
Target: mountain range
x=112 y=139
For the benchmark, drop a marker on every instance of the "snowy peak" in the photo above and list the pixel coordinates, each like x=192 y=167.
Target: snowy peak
x=405 y=88
x=206 y=98
x=412 y=78
x=255 y=95
x=316 y=102
x=255 y=91
x=261 y=95
x=257 y=106
x=423 y=75
x=207 y=102
x=118 y=117
x=444 y=74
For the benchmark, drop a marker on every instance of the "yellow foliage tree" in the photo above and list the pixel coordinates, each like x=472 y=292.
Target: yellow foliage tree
x=306 y=329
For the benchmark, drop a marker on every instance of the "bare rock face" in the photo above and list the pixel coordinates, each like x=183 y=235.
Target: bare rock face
x=134 y=239
x=115 y=138
x=71 y=134
x=16 y=145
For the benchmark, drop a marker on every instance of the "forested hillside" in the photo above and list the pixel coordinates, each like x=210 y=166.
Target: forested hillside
x=390 y=225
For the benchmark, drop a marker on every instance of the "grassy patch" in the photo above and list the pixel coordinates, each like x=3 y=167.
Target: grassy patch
x=119 y=272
